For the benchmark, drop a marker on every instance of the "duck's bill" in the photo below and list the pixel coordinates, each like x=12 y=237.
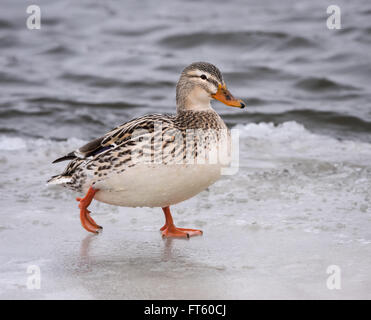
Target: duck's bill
x=223 y=95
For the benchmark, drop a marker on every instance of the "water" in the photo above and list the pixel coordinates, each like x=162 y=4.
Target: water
x=299 y=203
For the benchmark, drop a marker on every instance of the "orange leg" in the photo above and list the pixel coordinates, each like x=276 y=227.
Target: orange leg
x=86 y=220
x=170 y=230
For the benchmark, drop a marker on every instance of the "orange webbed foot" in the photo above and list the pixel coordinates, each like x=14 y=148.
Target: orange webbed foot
x=88 y=223
x=172 y=231
x=91 y=220
x=86 y=220
x=169 y=230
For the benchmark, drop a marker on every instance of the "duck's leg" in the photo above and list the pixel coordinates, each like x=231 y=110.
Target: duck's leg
x=86 y=220
x=170 y=230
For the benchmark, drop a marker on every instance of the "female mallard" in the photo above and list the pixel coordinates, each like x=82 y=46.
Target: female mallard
x=155 y=160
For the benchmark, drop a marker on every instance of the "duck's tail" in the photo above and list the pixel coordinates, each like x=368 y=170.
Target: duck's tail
x=59 y=179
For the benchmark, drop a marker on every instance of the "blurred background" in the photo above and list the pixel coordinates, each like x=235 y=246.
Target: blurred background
x=299 y=203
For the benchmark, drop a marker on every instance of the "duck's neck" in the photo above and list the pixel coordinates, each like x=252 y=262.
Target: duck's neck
x=193 y=99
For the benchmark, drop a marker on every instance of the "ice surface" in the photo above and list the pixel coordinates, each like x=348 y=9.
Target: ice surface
x=299 y=203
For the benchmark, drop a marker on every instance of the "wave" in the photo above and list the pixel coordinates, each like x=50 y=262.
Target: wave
x=322 y=84
x=135 y=32
x=77 y=103
x=325 y=122
x=251 y=39
x=7 y=79
x=5 y=24
x=58 y=49
x=105 y=82
x=291 y=140
x=259 y=72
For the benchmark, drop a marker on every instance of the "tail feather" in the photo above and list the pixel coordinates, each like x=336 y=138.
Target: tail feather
x=59 y=179
x=69 y=156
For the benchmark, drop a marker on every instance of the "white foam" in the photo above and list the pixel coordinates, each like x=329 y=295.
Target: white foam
x=11 y=143
x=291 y=139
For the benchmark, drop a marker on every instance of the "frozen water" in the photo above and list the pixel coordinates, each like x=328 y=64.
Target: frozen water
x=299 y=203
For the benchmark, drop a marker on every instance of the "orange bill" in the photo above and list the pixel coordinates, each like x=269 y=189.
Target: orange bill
x=223 y=95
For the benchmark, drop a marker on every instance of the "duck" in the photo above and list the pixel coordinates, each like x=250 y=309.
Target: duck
x=157 y=160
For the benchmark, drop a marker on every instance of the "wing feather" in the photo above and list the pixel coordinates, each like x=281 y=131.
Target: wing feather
x=115 y=137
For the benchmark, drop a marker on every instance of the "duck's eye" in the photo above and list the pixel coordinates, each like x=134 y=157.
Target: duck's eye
x=203 y=77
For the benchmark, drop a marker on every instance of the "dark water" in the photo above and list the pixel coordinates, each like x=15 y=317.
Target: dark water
x=96 y=64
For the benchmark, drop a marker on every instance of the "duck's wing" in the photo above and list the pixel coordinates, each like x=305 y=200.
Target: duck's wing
x=115 y=137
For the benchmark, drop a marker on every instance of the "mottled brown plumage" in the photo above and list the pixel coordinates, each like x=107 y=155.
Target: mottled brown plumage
x=154 y=160
x=114 y=150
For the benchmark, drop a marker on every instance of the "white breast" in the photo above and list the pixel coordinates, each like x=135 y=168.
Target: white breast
x=156 y=185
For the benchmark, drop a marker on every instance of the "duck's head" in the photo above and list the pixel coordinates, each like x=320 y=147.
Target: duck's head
x=198 y=84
